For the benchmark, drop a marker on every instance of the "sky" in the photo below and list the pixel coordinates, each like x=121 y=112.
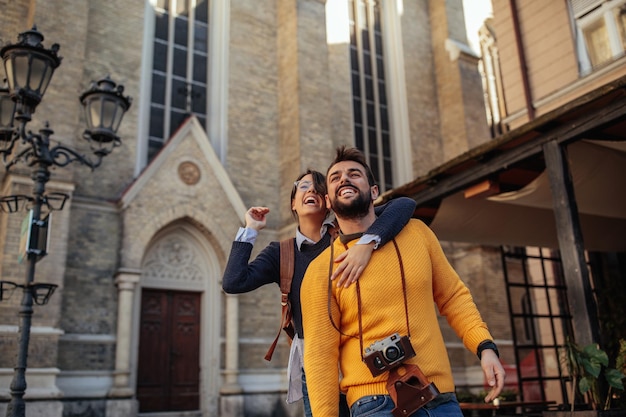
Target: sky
x=476 y=11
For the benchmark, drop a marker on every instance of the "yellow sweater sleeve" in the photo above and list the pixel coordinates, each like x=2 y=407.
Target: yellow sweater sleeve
x=321 y=366
x=453 y=298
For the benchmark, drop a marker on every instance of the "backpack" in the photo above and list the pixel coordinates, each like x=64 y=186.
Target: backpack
x=286 y=275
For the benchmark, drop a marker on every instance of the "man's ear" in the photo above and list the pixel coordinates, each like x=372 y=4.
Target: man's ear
x=374 y=191
x=328 y=206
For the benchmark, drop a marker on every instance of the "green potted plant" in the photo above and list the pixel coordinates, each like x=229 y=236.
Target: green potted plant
x=591 y=375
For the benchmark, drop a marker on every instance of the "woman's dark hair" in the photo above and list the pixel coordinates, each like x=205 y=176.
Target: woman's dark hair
x=319 y=184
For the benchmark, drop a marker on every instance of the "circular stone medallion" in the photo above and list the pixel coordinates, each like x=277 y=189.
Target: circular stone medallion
x=189 y=173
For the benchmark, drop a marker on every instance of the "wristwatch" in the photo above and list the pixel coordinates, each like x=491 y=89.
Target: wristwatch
x=487 y=344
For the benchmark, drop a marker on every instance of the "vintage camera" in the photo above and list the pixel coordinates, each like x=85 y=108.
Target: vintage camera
x=388 y=353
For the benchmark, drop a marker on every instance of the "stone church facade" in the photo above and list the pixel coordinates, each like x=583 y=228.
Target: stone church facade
x=143 y=240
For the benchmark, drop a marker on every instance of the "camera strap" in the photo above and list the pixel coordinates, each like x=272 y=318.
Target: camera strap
x=358 y=295
x=406 y=304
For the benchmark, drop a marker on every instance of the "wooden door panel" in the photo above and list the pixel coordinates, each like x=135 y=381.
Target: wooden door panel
x=153 y=353
x=185 y=351
x=169 y=351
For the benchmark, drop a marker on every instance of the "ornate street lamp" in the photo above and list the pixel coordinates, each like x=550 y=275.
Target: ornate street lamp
x=7 y=112
x=104 y=108
x=29 y=68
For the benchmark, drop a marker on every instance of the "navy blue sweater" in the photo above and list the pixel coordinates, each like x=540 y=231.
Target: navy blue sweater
x=241 y=276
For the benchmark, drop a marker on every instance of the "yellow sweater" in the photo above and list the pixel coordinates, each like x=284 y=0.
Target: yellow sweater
x=430 y=283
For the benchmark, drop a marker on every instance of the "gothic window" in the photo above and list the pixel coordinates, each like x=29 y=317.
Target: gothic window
x=369 y=97
x=179 y=68
x=600 y=32
x=489 y=67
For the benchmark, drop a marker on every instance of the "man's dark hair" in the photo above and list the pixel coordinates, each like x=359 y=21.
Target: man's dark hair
x=345 y=153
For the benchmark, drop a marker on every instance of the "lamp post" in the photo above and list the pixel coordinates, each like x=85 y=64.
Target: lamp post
x=29 y=68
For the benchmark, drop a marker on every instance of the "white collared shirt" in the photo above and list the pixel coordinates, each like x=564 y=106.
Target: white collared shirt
x=249 y=235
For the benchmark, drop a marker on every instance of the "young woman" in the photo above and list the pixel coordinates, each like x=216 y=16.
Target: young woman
x=308 y=206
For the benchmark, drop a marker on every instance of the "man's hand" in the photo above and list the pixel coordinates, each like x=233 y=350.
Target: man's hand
x=494 y=373
x=255 y=217
x=352 y=263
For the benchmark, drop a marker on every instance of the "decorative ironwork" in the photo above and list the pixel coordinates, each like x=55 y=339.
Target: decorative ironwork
x=40 y=292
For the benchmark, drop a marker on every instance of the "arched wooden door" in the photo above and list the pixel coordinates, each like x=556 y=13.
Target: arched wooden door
x=169 y=351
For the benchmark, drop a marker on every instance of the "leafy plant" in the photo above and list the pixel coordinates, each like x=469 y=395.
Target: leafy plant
x=589 y=368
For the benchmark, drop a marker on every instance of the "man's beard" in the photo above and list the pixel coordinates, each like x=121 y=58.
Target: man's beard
x=355 y=209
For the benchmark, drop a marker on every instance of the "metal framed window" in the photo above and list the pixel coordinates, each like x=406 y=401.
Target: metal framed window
x=369 y=96
x=540 y=321
x=600 y=32
x=179 y=68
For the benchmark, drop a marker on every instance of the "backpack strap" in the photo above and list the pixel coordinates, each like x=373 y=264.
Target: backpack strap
x=287 y=256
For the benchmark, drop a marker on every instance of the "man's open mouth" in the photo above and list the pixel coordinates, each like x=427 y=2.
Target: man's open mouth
x=346 y=191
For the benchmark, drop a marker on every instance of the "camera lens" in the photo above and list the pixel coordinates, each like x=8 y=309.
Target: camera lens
x=392 y=353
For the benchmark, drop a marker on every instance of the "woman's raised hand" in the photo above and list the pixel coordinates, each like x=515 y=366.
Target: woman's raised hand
x=256 y=217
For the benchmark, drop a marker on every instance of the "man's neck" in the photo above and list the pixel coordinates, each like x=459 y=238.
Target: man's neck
x=360 y=225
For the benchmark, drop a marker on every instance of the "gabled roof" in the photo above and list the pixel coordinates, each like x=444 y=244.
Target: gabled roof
x=191 y=128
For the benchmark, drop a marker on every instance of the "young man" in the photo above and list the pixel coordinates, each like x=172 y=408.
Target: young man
x=387 y=314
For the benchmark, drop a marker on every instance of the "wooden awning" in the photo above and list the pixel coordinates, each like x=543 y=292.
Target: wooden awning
x=499 y=193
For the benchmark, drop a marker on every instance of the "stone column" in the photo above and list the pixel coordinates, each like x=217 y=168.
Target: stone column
x=231 y=365
x=126 y=281
x=231 y=398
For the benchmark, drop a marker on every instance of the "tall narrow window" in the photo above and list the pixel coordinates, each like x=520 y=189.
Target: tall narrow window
x=179 y=68
x=489 y=67
x=601 y=34
x=369 y=97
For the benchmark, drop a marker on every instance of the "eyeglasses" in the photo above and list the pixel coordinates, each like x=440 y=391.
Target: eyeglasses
x=303 y=186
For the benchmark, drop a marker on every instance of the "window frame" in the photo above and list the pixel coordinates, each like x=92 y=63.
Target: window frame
x=584 y=19
x=193 y=89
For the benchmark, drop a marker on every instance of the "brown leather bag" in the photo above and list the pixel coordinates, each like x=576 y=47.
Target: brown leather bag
x=286 y=274
x=409 y=389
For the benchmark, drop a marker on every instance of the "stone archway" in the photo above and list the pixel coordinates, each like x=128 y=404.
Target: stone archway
x=181 y=258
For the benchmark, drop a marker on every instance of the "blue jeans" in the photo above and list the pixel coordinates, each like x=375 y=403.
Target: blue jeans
x=305 y=397
x=382 y=405
x=344 y=411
